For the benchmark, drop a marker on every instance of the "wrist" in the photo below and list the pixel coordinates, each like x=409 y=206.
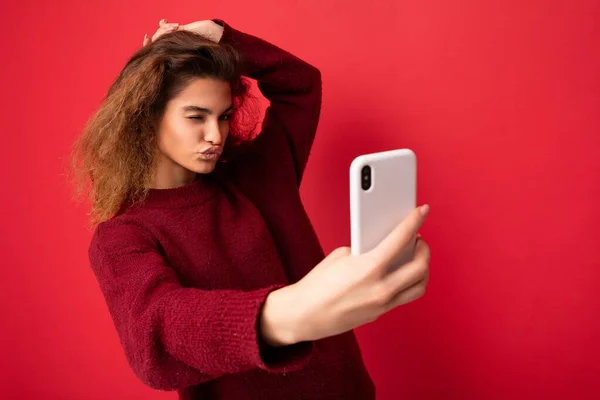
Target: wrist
x=279 y=321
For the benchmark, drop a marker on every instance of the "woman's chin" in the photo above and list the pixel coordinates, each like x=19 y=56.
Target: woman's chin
x=204 y=167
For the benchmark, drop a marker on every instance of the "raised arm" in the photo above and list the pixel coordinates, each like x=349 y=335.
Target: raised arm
x=173 y=336
x=292 y=86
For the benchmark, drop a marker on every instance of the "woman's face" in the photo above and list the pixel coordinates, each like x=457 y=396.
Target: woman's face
x=192 y=131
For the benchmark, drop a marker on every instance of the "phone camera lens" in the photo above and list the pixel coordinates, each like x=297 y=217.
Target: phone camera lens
x=366 y=177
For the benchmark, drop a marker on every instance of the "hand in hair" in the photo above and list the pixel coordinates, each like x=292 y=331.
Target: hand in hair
x=163 y=28
x=207 y=28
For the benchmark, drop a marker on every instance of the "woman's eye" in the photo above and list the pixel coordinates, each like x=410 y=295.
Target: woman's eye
x=201 y=117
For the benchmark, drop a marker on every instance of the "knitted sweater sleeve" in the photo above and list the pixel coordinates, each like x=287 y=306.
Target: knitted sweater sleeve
x=175 y=336
x=293 y=88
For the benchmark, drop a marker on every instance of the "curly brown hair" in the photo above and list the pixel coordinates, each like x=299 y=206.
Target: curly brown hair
x=114 y=159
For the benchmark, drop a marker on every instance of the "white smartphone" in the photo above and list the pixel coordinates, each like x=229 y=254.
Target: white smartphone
x=383 y=191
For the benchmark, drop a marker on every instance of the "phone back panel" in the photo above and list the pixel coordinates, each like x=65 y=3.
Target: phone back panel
x=375 y=212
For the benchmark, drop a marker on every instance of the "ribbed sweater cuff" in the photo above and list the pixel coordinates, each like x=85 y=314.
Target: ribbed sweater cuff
x=241 y=323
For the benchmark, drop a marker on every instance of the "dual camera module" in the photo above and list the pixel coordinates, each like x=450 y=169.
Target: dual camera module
x=365 y=177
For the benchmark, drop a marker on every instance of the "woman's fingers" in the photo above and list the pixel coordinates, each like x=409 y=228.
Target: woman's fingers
x=407 y=296
x=418 y=284
x=166 y=28
x=398 y=240
x=163 y=23
x=409 y=274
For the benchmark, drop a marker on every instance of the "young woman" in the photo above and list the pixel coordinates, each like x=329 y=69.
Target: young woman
x=211 y=269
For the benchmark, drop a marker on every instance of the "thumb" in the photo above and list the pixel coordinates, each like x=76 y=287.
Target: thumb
x=401 y=237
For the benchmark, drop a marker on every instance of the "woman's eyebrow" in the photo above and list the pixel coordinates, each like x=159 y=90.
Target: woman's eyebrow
x=203 y=109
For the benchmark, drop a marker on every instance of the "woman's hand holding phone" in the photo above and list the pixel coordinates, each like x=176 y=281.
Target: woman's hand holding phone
x=344 y=291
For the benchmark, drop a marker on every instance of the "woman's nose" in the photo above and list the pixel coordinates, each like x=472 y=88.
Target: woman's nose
x=213 y=134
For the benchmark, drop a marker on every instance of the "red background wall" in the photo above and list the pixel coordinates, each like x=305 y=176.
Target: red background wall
x=499 y=99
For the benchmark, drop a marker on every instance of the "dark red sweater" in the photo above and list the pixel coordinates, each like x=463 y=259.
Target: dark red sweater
x=186 y=272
